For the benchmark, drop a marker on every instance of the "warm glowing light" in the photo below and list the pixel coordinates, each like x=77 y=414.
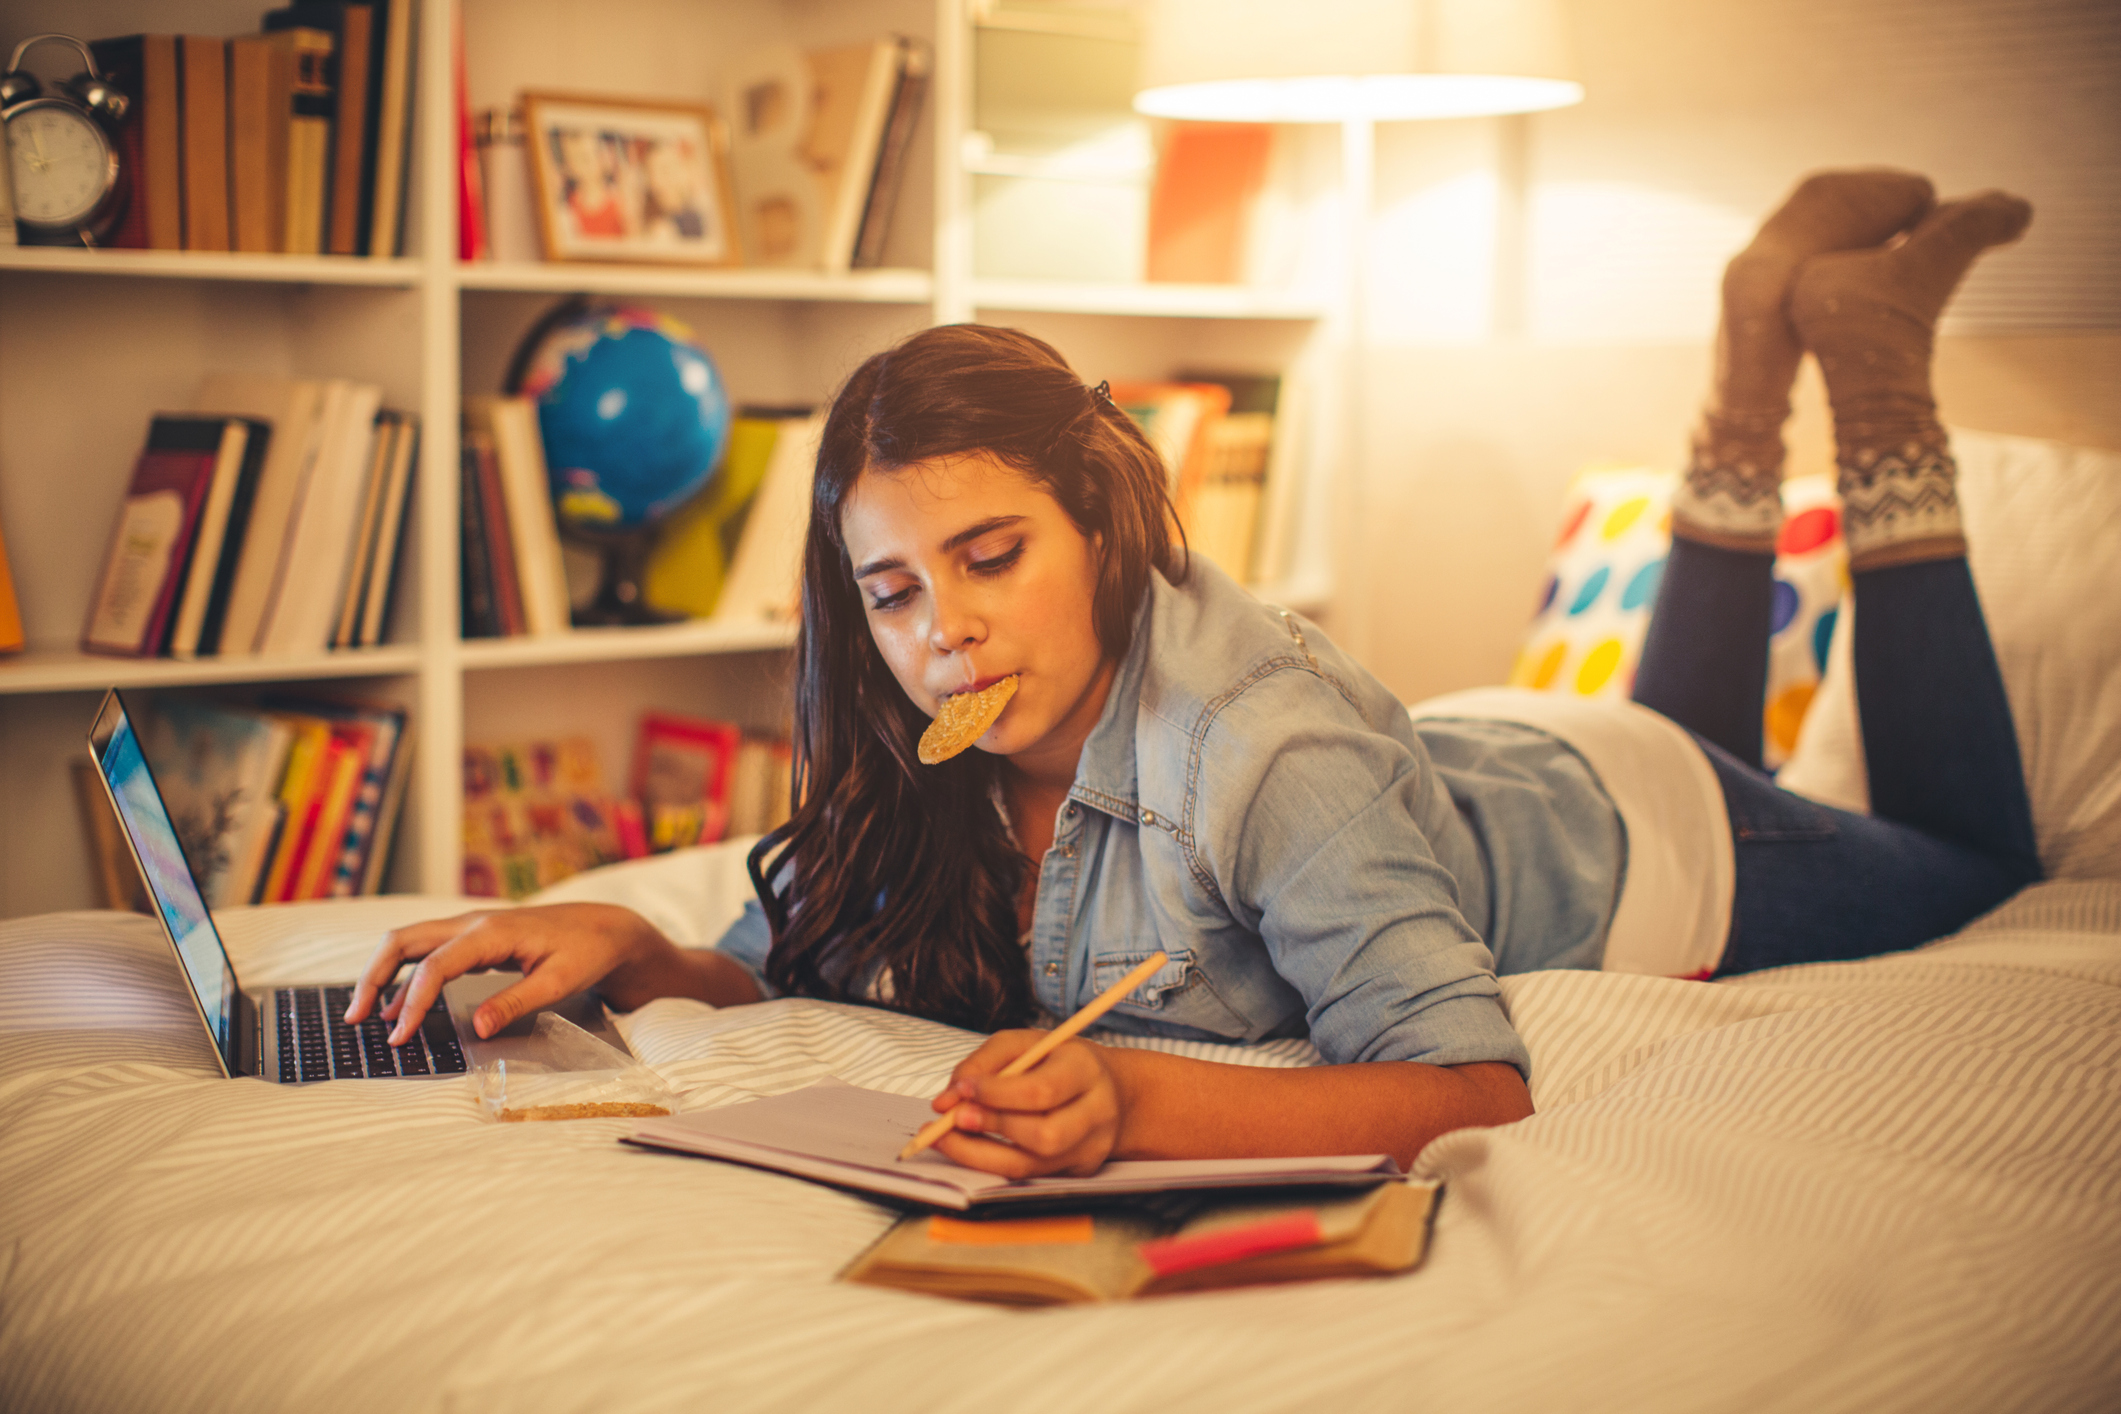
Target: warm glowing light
x=1379 y=97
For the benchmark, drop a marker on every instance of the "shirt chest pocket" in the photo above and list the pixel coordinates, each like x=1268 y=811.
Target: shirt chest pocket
x=1179 y=994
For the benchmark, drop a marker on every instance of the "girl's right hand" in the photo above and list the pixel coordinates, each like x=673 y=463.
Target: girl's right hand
x=560 y=948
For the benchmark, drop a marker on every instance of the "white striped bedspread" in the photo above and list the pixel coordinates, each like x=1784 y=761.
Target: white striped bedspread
x=1875 y=1186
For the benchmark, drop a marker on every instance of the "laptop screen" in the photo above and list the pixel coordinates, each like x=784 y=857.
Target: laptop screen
x=169 y=878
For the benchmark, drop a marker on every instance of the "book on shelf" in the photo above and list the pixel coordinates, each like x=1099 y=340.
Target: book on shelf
x=471 y=189
x=260 y=136
x=510 y=215
x=372 y=578
x=888 y=172
x=1179 y=420
x=308 y=545
x=356 y=794
x=11 y=635
x=144 y=566
x=309 y=135
x=683 y=768
x=478 y=617
x=766 y=569
x=203 y=605
x=352 y=30
x=289 y=406
x=390 y=162
x=814 y=130
x=144 y=67
x=1208 y=176
x=219 y=768
x=1158 y=1248
x=202 y=78
x=1225 y=513
x=311 y=762
x=532 y=531
x=760 y=785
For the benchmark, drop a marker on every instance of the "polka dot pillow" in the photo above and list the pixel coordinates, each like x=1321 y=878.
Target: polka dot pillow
x=1602 y=580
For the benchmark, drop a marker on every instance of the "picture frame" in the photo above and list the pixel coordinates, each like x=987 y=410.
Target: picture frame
x=629 y=179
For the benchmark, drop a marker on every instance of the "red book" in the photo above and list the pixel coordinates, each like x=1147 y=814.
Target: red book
x=150 y=547
x=471 y=199
x=686 y=763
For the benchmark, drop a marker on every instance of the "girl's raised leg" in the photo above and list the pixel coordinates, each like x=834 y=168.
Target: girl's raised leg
x=1704 y=661
x=1937 y=729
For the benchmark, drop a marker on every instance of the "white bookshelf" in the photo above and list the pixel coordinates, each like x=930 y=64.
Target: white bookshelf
x=92 y=343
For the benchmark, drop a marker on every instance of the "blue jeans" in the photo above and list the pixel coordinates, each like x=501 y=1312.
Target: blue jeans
x=1950 y=835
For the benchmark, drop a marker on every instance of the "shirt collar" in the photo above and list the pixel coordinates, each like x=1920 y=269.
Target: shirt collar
x=1105 y=778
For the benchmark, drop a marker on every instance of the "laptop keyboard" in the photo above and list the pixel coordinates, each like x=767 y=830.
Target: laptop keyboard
x=315 y=1044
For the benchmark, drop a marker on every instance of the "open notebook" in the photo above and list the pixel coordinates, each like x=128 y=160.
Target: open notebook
x=850 y=1137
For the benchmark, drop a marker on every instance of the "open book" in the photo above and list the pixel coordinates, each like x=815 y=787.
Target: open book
x=850 y=1137
x=1210 y=1241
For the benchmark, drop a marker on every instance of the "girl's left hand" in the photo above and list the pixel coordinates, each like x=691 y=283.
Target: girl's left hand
x=1061 y=1116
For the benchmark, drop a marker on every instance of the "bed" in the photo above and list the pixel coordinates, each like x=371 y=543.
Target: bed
x=1890 y=1184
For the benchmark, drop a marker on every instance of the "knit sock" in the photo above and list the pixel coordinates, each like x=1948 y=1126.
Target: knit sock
x=1732 y=493
x=1871 y=318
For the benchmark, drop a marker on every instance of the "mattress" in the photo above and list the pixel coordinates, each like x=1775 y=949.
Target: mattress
x=1893 y=1184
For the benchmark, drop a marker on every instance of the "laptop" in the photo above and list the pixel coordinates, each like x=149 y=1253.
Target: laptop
x=291 y=1035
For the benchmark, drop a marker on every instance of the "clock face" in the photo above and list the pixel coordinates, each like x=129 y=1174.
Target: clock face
x=60 y=162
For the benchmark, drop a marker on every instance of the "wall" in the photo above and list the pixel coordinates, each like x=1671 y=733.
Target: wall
x=1497 y=365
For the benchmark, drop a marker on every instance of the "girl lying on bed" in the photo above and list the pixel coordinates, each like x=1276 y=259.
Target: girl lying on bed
x=1184 y=768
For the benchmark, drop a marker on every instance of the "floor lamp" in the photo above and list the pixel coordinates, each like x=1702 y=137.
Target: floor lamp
x=1355 y=63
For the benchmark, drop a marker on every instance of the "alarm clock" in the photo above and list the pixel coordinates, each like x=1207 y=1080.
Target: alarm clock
x=61 y=153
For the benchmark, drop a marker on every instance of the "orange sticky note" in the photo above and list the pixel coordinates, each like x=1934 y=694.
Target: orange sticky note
x=1014 y=1232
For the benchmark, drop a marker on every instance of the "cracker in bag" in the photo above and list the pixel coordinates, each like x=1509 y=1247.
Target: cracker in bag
x=964 y=720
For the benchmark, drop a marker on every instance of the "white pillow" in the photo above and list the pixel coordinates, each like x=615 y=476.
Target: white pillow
x=692 y=895
x=2043 y=529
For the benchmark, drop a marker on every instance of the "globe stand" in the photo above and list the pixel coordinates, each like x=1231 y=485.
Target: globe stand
x=620 y=600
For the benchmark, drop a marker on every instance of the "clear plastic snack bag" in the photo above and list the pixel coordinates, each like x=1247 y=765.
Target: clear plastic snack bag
x=560 y=1071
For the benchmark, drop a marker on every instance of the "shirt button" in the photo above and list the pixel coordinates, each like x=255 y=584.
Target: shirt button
x=1148 y=817
x=1067 y=851
x=1053 y=969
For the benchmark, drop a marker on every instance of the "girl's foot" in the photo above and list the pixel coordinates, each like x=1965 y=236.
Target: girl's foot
x=1870 y=316
x=1732 y=492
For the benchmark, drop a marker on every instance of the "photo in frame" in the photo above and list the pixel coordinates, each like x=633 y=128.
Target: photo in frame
x=630 y=179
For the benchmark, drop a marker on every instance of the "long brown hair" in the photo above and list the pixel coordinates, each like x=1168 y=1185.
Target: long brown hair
x=887 y=866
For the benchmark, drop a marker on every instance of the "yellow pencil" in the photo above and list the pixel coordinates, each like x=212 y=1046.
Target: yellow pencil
x=936 y=1128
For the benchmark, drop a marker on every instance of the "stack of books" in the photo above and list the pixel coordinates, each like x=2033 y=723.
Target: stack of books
x=295 y=140
x=267 y=524
x=293 y=798
x=1225 y=440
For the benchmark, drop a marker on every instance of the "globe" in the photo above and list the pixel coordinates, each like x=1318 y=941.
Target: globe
x=633 y=412
x=634 y=419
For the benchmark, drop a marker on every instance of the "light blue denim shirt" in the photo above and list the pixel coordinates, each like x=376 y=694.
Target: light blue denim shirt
x=1259 y=807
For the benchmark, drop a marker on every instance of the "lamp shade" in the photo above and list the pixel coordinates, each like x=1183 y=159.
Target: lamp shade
x=1315 y=61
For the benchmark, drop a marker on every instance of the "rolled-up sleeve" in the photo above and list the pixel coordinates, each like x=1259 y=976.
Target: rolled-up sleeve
x=1325 y=851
